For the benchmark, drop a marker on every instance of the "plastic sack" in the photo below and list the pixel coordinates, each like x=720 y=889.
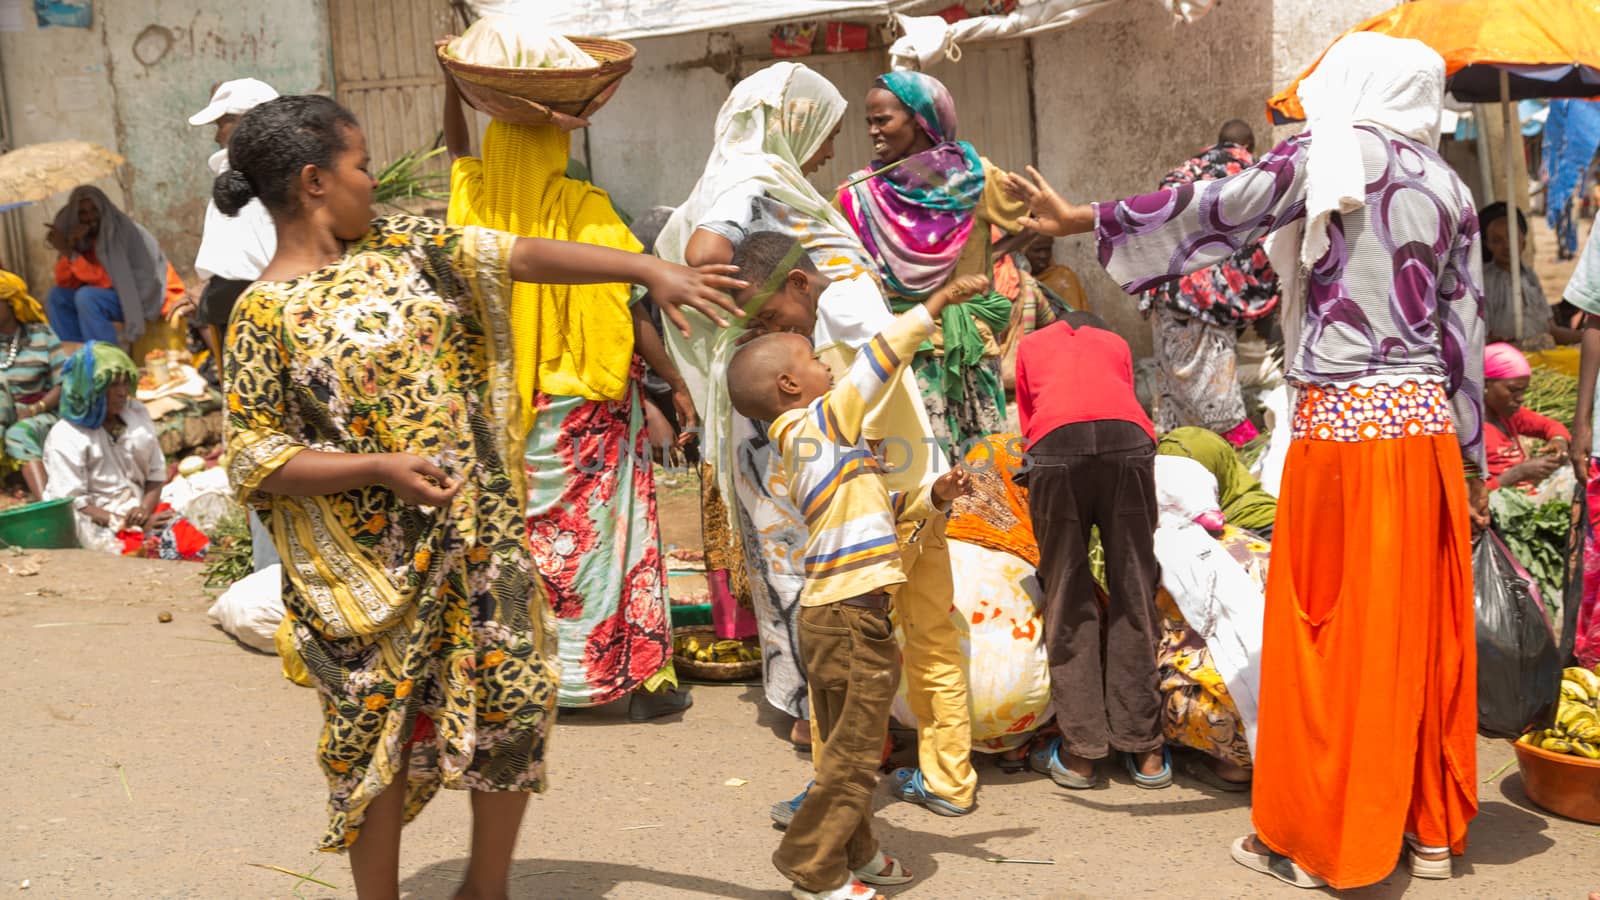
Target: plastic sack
x=517 y=43
x=251 y=608
x=1519 y=666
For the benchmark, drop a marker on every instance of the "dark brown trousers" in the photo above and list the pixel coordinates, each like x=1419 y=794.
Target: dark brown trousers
x=1103 y=680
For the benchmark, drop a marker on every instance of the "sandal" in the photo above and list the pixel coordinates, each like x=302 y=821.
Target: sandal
x=1423 y=867
x=1019 y=763
x=783 y=811
x=908 y=786
x=850 y=890
x=1156 y=782
x=884 y=870
x=1200 y=770
x=1046 y=760
x=1278 y=866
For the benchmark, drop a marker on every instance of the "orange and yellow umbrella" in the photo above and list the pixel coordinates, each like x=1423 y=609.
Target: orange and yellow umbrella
x=1545 y=48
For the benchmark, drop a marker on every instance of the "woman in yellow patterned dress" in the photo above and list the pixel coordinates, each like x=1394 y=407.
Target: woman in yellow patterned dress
x=374 y=423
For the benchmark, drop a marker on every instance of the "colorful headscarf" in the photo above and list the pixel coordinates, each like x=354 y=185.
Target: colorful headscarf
x=1504 y=361
x=914 y=215
x=14 y=290
x=85 y=379
x=1245 y=504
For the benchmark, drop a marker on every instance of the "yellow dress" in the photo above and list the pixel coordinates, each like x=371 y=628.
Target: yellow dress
x=400 y=612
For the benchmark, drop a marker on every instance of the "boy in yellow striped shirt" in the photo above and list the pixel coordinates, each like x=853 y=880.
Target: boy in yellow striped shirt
x=852 y=561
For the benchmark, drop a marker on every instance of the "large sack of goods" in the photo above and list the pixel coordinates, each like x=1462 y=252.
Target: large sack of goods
x=516 y=71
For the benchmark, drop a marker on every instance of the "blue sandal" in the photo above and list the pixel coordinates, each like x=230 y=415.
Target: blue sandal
x=908 y=786
x=1151 y=782
x=783 y=811
x=1047 y=761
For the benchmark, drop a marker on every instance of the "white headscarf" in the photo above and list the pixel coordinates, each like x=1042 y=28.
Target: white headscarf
x=771 y=123
x=1364 y=79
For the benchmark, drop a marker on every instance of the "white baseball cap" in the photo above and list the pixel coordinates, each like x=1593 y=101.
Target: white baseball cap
x=234 y=98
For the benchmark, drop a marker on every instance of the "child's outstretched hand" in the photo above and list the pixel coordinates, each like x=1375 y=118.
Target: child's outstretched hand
x=962 y=289
x=952 y=484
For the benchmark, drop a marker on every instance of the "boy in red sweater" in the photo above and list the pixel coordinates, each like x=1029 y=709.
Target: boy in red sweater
x=1091 y=456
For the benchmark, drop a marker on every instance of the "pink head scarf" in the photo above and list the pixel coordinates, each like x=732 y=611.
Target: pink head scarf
x=1504 y=361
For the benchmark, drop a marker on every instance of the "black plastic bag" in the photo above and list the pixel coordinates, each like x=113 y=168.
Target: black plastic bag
x=1519 y=666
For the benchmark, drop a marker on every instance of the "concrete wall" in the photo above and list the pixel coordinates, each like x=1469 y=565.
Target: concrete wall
x=1127 y=95
x=131 y=81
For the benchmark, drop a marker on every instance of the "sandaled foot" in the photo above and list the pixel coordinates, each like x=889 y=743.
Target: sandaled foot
x=907 y=784
x=1428 y=862
x=800 y=735
x=783 y=811
x=1252 y=854
x=1223 y=776
x=850 y=890
x=884 y=870
x=1046 y=760
x=1138 y=763
x=646 y=705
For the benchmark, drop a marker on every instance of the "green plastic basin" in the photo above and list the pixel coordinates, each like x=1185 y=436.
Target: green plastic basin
x=39 y=526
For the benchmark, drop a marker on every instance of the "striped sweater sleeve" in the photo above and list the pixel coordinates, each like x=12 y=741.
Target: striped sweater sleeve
x=840 y=412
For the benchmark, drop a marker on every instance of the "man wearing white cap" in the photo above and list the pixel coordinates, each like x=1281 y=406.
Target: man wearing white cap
x=233 y=251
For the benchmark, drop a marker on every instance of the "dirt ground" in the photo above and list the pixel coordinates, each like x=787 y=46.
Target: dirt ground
x=165 y=760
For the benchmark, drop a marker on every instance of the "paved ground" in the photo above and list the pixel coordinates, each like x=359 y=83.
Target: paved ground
x=160 y=760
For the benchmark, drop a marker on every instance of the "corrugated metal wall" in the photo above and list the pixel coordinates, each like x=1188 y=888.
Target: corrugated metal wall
x=385 y=71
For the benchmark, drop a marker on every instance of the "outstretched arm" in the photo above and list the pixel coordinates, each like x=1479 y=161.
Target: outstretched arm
x=707 y=289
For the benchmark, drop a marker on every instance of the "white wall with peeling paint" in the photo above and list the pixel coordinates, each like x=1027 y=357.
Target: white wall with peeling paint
x=131 y=81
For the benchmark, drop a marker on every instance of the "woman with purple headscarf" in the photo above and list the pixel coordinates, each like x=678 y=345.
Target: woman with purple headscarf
x=925 y=210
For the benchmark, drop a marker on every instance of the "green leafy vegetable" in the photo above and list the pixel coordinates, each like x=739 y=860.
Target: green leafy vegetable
x=1536 y=535
x=1553 y=394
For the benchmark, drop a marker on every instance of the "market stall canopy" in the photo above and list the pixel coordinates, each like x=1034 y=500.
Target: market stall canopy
x=627 y=21
x=1546 y=48
x=37 y=171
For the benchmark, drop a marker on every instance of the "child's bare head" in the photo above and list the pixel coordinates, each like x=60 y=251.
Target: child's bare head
x=773 y=374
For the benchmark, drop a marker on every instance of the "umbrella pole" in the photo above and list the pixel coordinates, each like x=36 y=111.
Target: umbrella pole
x=1508 y=118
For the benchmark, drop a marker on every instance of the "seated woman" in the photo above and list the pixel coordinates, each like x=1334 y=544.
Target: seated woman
x=30 y=380
x=1506 y=374
x=1245 y=504
x=104 y=454
x=1539 y=331
x=111 y=276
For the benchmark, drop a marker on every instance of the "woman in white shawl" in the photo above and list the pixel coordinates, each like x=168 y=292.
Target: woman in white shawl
x=1366 y=745
x=776 y=127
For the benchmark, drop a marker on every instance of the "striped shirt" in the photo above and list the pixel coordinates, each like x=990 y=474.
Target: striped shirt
x=852 y=547
x=37 y=367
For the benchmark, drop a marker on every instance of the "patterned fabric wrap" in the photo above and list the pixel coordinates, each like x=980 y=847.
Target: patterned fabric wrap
x=401 y=345
x=1244 y=502
x=1240 y=289
x=996 y=611
x=1197 y=373
x=915 y=218
x=1396 y=297
x=995 y=514
x=1587 y=645
x=1197 y=710
x=593 y=531
x=1382 y=412
x=85 y=378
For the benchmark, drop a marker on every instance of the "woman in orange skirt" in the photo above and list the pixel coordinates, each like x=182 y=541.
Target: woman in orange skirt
x=1366 y=739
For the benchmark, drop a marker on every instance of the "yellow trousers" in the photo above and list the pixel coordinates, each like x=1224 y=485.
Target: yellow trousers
x=934 y=670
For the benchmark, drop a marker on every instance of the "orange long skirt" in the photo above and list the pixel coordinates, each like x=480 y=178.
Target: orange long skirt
x=1368 y=707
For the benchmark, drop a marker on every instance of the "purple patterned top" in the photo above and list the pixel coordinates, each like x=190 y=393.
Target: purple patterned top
x=1397 y=296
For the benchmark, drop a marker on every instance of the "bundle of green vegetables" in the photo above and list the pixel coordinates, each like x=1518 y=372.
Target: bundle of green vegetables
x=1553 y=394
x=1536 y=534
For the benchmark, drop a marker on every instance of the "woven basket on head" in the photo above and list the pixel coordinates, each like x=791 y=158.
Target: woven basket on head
x=567 y=97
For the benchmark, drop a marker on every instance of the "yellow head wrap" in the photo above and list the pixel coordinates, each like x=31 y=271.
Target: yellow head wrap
x=14 y=291
x=572 y=340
